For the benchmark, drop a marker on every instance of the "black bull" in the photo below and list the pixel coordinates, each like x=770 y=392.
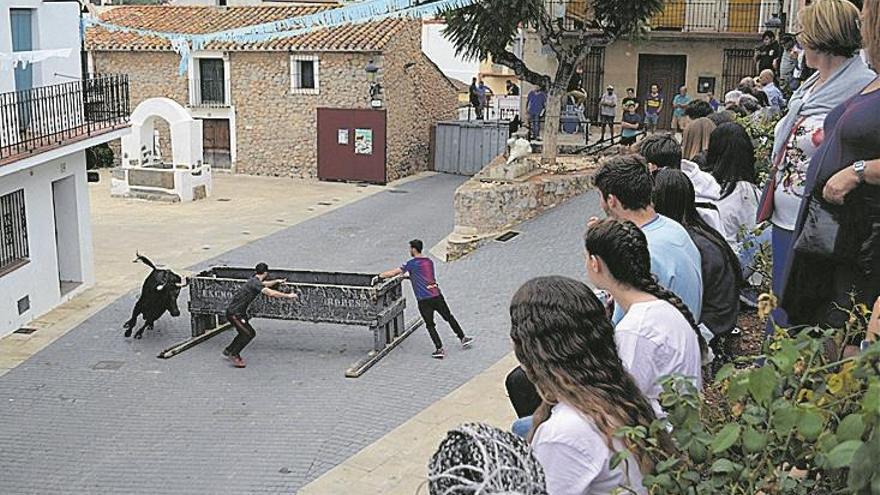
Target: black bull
x=158 y=295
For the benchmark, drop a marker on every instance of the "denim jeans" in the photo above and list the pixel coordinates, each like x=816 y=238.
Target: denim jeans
x=522 y=426
x=782 y=244
x=535 y=125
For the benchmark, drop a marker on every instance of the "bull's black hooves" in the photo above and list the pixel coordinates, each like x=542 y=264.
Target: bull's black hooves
x=138 y=336
x=127 y=334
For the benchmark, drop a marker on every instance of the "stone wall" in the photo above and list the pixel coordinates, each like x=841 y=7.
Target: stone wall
x=276 y=131
x=483 y=208
x=150 y=75
x=417 y=96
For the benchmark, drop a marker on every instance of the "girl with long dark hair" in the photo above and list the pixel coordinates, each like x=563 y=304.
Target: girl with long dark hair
x=563 y=339
x=674 y=198
x=658 y=335
x=731 y=157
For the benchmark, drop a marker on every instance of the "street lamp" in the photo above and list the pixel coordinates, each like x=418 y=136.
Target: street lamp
x=372 y=71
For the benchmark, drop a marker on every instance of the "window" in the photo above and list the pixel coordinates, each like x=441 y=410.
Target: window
x=304 y=74
x=13 y=231
x=212 y=82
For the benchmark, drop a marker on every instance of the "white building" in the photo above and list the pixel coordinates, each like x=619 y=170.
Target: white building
x=49 y=116
x=442 y=52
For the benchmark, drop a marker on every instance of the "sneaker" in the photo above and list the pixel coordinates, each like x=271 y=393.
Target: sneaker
x=238 y=362
x=439 y=354
x=466 y=342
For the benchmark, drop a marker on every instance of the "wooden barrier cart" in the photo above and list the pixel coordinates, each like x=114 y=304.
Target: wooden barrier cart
x=324 y=297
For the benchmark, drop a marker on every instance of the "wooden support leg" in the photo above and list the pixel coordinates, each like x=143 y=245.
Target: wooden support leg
x=202 y=323
x=188 y=344
x=361 y=367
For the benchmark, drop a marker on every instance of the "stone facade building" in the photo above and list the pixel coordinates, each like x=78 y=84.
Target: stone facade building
x=259 y=101
x=705 y=45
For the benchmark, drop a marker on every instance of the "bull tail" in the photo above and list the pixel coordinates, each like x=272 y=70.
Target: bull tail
x=143 y=259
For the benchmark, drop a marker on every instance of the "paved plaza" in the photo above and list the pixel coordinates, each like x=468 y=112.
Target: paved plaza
x=96 y=413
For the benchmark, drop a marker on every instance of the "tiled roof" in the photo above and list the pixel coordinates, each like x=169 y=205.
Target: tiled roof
x=372 y=36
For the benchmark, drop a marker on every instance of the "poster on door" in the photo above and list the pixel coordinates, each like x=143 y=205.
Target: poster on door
x=363 y=141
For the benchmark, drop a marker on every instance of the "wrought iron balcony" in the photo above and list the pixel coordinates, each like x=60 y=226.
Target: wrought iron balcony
x=685 y=16
x=712 y=16
x=37 y=119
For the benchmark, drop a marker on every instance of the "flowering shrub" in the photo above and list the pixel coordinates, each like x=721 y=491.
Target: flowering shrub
x=804 y=422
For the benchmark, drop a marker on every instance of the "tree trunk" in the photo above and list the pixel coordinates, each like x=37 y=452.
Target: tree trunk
x=550 y=132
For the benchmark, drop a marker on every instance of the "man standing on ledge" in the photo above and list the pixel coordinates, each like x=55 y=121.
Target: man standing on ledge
x=237 y=311
x=421 y=274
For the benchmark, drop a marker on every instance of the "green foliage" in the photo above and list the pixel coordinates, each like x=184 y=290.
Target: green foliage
x=804 y=422
x=761 y=131
x=489 y=27
x=100 y=156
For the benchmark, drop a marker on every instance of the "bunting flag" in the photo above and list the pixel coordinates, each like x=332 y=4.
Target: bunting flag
x=368 y=11
x=23 y=59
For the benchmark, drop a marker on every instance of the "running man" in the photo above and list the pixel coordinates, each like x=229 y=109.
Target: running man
x=237 y=311
x=421 y=274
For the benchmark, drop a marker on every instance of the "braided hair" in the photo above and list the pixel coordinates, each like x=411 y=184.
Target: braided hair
x=478 y=458
x=624 y=249
x=565 y=343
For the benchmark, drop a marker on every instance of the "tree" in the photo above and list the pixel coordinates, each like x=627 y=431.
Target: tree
x=570 y=28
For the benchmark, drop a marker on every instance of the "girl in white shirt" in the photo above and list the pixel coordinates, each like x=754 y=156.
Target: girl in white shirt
x=564 y=341
x=657 y=335
x=731 y=157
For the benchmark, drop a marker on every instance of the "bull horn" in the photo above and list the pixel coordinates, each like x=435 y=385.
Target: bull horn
x=183 y=284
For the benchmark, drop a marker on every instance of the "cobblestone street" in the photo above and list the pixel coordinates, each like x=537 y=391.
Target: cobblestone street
x=96 y=413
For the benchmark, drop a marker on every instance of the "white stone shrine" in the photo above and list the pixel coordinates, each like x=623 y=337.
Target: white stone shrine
x=145 y=174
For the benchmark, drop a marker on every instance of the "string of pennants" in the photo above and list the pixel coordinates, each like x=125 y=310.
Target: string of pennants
x=363 y=12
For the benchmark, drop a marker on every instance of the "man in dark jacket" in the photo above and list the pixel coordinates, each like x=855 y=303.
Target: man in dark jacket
x=237 y=311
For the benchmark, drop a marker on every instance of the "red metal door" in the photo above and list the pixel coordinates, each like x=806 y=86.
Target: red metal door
x=351 y=145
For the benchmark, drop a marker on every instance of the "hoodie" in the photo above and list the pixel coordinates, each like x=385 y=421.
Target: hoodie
x=706 y=191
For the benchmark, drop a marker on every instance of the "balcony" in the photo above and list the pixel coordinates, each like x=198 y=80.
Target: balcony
x=746 y=17
x=208 y=93
x=38 y=119
x=730 y=16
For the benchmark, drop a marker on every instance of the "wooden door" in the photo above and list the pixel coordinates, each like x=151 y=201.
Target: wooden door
x=351 y=145
x=216 y=143
x=666 y=71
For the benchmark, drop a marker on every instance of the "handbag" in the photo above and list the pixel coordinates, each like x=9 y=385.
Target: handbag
x=768 y=196
x=819 y=235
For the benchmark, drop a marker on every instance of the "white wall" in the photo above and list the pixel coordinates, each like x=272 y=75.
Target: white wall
x=56 y=25
x=39 y=278
x=442 y=53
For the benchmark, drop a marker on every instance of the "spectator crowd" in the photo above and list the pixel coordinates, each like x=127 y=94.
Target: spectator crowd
x=673 y=261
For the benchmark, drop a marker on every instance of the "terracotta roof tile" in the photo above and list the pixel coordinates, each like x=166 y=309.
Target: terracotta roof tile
x=372 y=36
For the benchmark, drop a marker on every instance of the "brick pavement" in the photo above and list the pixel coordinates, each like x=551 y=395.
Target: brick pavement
x=194 y=425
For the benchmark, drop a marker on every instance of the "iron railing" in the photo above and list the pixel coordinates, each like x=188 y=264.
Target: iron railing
x=711 y=16
x=715 y=16
x=48 y=116
x=13 y=230
x=208 y=93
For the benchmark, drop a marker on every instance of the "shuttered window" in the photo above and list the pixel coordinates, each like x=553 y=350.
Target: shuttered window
x=13 y=231
x=304 y=78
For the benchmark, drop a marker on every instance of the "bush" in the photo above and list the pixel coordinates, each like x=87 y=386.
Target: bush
x=100 y=156
x=804 y=422
x=761 y=132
